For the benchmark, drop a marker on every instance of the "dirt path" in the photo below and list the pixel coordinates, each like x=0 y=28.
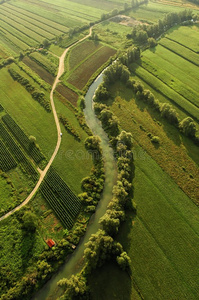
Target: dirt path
x=43 y=173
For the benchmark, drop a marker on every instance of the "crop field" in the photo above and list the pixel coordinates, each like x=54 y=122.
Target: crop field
x=174 y=71
x=153 y=11
x=163 y=239
x=45 y=75
x=180 y=50
x=60 y=197
x=44 y=62
x=85 y=70
x=67 y=94
x=173 y=96
x=81 y=52
x=186 y=36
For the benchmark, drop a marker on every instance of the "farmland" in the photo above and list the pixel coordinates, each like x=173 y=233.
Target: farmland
x=161 y=236
x=164 y=70
x=83 y=61
x=90 y=66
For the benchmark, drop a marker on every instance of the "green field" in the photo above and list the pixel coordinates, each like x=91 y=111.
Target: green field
x=163 y=240
x=174 y=71
x=113 y=34
x=186 y=36
x=36 y=121
x=177 y=155
x=153 y=11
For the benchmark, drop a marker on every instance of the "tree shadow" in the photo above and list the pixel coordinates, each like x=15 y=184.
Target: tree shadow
x=110 y=282
x=27 y=247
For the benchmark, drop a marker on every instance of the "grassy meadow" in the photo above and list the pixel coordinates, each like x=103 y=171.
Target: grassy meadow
x=162 y=240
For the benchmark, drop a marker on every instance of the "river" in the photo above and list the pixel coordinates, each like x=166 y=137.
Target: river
x=74 y=263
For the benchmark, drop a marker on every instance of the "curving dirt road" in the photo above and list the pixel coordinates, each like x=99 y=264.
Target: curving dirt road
x=43 y=173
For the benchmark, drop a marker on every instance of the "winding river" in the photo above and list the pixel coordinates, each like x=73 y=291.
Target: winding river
x=74 y=262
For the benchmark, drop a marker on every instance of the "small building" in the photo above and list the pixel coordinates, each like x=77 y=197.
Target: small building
x=50 y=243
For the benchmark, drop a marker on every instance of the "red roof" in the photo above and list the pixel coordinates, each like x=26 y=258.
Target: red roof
x=50 y=243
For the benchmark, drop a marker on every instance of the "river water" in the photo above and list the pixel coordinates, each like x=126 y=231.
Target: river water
x=74 y=263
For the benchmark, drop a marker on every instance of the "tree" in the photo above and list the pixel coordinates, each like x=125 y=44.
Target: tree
x=152 y=42
x=126 y=138
x=32 y=139
x=188 y=127
x=82 y=102
x=74 y=287
x=46 y=43
x=168 y=112
x=29 y=221
x=110 y=224
x=123 y=261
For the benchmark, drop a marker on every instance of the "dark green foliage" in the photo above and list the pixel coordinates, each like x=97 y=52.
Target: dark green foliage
x=92 y=186
x=101 y=248
x=29 y=221
x=130 y=56
x=142 y=33
x=75 y=287
x=152 y=42
x=69 y=127
x=102 y=93
x=124 y=261
x=115 y=72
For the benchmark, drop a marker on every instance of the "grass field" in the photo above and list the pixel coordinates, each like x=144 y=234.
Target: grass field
x=180 y=50
x=153 y=11
x=186 y=36
x=162 y=240
x=177 y=155
x=36 y=121
x=73 y=162
x=109 y=282
x=113 y=34
x=177 y=73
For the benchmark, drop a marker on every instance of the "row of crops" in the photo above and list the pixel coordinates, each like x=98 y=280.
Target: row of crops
x=61 y=198
x=17 y=152
x=22 y=138
x=7 y=161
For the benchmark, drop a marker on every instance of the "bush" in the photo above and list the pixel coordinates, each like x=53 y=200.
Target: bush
x=155 y=139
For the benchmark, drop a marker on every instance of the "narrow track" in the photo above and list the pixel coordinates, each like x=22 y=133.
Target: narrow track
x=43 y=173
